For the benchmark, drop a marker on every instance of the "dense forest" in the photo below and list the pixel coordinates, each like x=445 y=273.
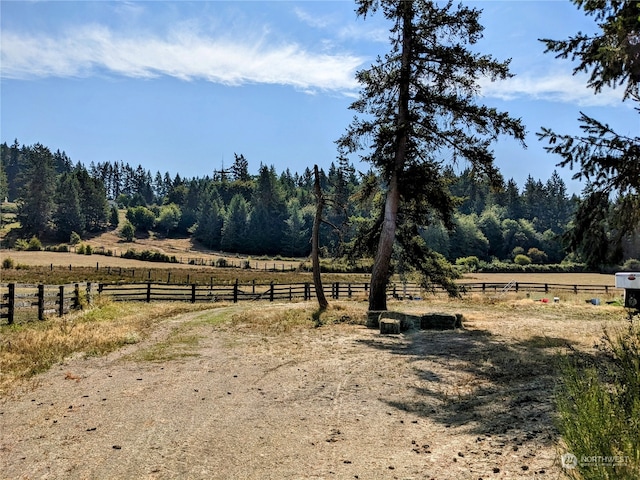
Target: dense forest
x=273 y=212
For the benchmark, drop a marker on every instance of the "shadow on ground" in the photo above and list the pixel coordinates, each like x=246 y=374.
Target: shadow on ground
x=480 y=382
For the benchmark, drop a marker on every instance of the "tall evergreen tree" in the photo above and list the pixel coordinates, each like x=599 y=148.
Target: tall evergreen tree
x=93 y=200
x=268 y=214
x=210 y=220
x=234 y=230
x=240 y=168
x=68 y=215
x=513 y=200
x=417 y=106
x=36 y=203
x=296 y=235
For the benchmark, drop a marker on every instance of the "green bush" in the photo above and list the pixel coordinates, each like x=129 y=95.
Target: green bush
x=21 y=244
x=470 y=264
x=127 y=232
x=34 y=244
x=598 y=407
x=74 y=239
x=58 y=248
x=631 y=265
x=149 y=256
x=522 y=260
x=221 y=263
x=88 y=250
x=7 y=263
x=80 y=249
x=537 y=256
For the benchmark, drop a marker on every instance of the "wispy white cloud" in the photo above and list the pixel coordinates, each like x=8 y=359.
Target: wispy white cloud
x=183 y=54
x=335 y=26
x=553 y=87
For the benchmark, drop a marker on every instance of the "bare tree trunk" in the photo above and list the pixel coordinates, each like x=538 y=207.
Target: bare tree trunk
x=382 y=263
x=315 y=241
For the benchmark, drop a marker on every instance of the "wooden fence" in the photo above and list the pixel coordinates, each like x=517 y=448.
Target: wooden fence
x=23 y=302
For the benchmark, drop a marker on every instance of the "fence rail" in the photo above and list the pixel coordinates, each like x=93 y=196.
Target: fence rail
x=26 y=302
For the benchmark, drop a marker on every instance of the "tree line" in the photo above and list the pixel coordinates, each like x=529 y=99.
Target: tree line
x=271 y=212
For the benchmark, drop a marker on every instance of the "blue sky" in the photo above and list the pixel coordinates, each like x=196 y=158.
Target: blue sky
x=182 y=86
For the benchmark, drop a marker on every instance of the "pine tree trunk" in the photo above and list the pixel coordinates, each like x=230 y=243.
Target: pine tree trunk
x=382 y=263
x=315 y=242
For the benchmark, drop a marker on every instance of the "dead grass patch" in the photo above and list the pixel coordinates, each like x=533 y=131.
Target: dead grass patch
x=279 y=318
x=31 y=348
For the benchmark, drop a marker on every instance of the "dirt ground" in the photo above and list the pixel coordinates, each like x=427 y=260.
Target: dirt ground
x=204 y=400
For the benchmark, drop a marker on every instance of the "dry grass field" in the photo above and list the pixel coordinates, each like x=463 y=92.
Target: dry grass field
x=282 y=391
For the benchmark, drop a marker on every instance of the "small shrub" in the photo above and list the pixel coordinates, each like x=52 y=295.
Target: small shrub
x=470 y=264
x=7 y=263
x=80 y=249
x=74 y=239
x=221 y=263
x=21 y=244
x=537 y=256
x=599 y=406
x=632 y=265
x=34 y=244
x=88 y=250
x=58 y=248
x=522 y=260
x=127 y=232
x=149 y=256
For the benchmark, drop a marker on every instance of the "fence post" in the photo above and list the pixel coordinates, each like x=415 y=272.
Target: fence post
x=575 y=289
x=349 y=290
x=61 y=306
x=76 y=295
x=546 y=288
x=88 y=293
x=290 y=294
x=307 y=291
x=40 y=302
x=11 y=303
x=148 y=292
x=517 y=287
x=271 y=292
x=235 y=292
x=193 y=293
x=100 y=287
x=337 y=290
